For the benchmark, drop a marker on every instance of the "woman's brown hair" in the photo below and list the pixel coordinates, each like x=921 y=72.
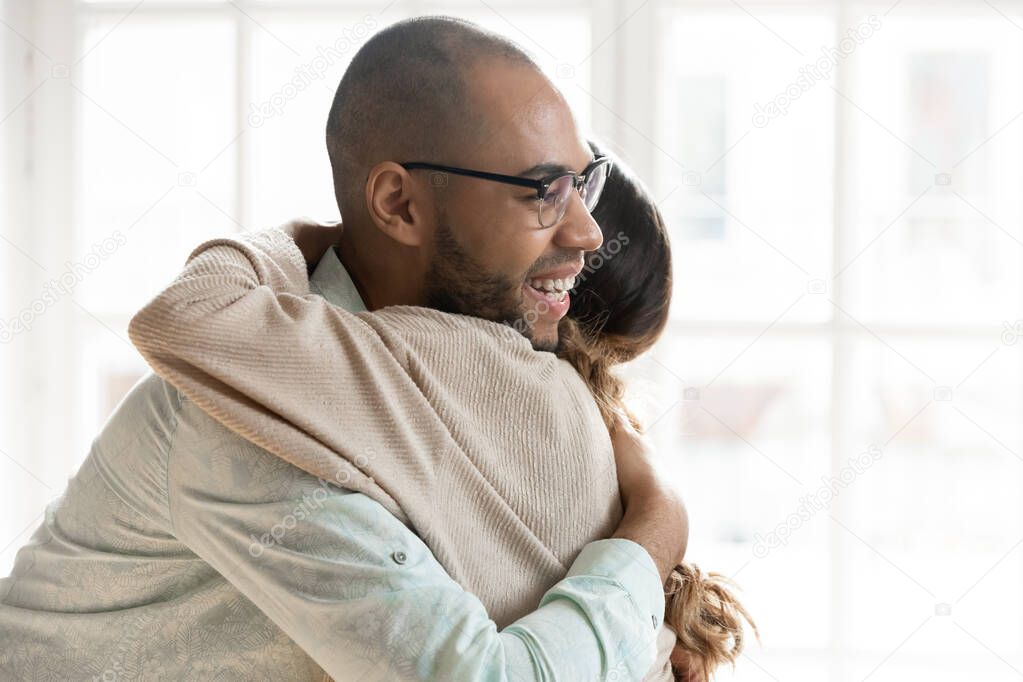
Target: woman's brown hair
x=619 y=309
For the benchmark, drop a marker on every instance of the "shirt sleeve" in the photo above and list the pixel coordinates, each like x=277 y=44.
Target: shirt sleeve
x=365 y=598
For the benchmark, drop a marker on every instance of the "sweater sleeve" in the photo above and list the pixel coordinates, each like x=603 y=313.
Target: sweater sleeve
x=240 y=335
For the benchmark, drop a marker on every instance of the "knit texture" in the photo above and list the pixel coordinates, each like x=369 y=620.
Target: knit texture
x=493 y=453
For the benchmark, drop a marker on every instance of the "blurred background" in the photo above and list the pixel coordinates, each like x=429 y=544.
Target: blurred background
x=838 y=394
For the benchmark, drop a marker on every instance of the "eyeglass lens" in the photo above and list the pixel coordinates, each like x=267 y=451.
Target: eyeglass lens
x=555 y=201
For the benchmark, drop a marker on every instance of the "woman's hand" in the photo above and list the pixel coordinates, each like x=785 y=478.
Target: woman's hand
x=313 y=238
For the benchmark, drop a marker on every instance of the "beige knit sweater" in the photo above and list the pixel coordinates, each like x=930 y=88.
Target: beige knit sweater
x=493 y=453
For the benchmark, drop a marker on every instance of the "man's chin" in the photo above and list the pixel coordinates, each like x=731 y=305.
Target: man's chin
x=544 y=341
x=547 y=345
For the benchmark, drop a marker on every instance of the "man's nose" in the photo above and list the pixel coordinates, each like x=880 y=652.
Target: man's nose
x=578 y=229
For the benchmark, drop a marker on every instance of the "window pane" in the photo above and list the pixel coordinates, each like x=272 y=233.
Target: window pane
x=937 y=514
x=742 y=430
x=936 y=206
x=748 y=199
x=157 y=173
x=297 y=61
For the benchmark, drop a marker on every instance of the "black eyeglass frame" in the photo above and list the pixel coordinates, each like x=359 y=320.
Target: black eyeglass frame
x=541 y=186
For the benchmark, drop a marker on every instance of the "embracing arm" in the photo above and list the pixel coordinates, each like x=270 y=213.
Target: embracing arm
x=238 y=333
x=365 y=598
x=655 y=515
x=241 y=336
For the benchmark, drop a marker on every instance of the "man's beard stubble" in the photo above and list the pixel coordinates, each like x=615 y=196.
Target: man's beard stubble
x=456 y=283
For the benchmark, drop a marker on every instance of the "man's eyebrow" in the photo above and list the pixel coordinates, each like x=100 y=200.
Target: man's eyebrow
x=543 y=169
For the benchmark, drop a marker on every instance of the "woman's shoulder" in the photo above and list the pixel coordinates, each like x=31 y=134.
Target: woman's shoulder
x=416 y=320
x=465 y=342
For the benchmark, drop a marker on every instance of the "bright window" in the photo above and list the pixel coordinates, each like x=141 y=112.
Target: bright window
x=838 y=393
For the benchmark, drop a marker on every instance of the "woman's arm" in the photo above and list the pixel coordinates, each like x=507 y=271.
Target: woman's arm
x=241 y=336
x=329 y=391
x=666 y=531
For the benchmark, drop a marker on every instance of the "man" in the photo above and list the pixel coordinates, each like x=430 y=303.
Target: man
x=151 y=563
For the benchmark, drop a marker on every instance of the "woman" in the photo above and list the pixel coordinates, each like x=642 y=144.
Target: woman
x=618 y=312
x=462 y=429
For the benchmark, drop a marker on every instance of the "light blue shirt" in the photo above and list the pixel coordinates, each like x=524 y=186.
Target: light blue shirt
x=181 y=551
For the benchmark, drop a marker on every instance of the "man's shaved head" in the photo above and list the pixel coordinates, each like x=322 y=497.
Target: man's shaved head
x=405 y=97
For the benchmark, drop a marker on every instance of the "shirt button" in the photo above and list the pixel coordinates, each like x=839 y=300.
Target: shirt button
x=653 y=620
x=399 y=557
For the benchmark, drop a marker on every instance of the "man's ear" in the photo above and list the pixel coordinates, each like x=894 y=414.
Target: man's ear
x=396 y=205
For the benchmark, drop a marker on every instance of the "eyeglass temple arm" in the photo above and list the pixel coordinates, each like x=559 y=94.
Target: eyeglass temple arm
x=508 y=179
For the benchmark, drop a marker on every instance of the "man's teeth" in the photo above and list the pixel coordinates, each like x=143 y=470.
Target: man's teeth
x=553 y=285
x=553 y=289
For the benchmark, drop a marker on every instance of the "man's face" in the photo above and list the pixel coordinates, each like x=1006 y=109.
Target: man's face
x=489 y=248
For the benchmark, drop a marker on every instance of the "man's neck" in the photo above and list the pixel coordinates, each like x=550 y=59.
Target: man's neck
x=381 y=279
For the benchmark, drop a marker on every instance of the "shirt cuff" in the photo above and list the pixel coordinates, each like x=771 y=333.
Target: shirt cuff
x=631 y=566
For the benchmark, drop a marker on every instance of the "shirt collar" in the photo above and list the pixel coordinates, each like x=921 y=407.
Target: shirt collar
x=331 y=280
